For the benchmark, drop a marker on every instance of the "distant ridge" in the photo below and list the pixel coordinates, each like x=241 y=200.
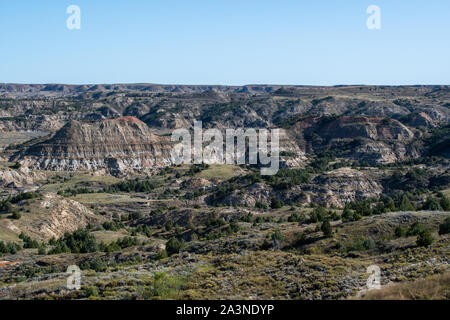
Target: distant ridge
x=67 y=90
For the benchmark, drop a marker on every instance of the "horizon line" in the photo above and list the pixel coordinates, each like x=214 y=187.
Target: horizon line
x=221 y=85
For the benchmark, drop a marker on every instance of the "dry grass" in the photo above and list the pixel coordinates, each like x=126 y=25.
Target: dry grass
x=76 y=180
x=103 y=198
x=221 y=172
x=6 y=234
x=436 y=287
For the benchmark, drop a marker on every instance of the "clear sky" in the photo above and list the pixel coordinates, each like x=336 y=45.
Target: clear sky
x=233 y=42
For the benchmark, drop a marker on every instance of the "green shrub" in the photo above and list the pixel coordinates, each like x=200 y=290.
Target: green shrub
x=145 y=230
x=406 y=204
x=389 y=204
x=168 y=225
x=276 y=203
x=400 y=232
x=135 y=216
x=80 y=241
x=5 y=205
x=164 y=286
x=24 y=196
x=3 y=248
x=173 y=246
x=415 y=229
x=10 y=247
x=161 y=255
x=326 y=229
x=368 y=244
x=110 y=226
x=42 y=250
x=432 y=204
x=133 y=186
x=127 y=242
x=318 y=214
x=260 y=205
x=362 y=208
x=445 y=203
x=119 y=244
x=296 y=218
x=16 y=215
x=360 y=244
x=277 y=235
x=91 y=291
x=96 y=264
x=349 y=215
x=444 y=227
x=28 y=242
x=425 y=238
x=234 y=226
x=287 y=178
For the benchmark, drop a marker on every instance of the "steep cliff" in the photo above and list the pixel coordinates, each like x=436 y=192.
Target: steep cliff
x=116 y=145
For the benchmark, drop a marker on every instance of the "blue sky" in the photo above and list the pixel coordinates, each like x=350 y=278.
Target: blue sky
x=226 y=42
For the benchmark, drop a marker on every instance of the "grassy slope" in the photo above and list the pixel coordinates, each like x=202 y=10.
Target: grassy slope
x=436 y=287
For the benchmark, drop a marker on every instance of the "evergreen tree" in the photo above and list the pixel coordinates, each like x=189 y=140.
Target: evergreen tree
x=277 y=235
x=406 y=205
x=326 y=229
x=276 y=203
x=390 y=205
x=173 y=246
x=425 y=238
x=432 y=204
x=445 y=203
x=415 y=229
x=400 y=232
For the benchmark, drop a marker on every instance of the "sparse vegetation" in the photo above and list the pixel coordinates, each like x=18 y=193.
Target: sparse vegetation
x=133 y=186
x=80 y=241
x=352 y=190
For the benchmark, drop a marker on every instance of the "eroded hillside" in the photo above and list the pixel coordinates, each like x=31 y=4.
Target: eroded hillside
x=87 y=178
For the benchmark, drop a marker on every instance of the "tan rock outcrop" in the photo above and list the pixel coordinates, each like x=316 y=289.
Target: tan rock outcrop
x=120 y=146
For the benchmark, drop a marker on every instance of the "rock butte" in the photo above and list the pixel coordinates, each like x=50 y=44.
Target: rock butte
x=116 y=145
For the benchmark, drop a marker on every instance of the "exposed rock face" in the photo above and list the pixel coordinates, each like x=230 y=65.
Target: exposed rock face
x=421 y=120
x=57 y=216
x=32 y=123
x=371 y=128
x=248 y=197
x=373 y=140
x=291 y=155
x=197 y=183
x=120 y=145
x=334 y=188
x=344 y=185
x=19 y=178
